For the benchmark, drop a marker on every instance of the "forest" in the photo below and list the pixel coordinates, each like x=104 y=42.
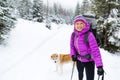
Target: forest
x=105 y=12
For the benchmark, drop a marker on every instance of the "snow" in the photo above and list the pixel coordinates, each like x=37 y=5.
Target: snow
x=27 y=56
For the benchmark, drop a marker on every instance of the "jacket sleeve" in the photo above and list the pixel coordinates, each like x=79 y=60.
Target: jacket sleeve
x=95 y=50
x=72 y=47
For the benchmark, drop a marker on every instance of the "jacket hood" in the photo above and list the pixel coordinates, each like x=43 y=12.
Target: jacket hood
x=87 y=25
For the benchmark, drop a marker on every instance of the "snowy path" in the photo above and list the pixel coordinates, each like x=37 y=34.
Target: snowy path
x=32 y=61
x=32 y=65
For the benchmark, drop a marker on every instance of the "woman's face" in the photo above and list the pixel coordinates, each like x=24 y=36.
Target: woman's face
x=79 y=25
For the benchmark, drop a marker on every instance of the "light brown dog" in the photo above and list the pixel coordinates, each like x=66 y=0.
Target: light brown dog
x=60 y=59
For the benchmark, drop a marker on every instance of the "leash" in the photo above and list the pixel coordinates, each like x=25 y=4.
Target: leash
x=72 y=70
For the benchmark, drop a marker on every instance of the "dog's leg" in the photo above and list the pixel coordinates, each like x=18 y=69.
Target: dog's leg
x=60 y=69
x=56 y=67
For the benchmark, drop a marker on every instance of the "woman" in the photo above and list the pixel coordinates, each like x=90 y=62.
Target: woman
x=85 y=55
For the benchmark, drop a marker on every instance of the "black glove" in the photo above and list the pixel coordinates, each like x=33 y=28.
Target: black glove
x=74 y=57
x=100 y=70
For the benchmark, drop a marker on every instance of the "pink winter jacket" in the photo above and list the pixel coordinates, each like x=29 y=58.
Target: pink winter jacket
x=82 y=48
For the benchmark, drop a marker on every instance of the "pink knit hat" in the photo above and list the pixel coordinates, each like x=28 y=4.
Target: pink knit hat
x=79 y=20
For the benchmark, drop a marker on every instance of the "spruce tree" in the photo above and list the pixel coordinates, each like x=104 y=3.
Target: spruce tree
x=55 y=6
x=77 y=10
x=38 y=10
x=103 y=8
x=6 y=20
x=25 y=9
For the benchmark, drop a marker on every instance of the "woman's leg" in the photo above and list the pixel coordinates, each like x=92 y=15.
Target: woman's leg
x=90 y=68
x=80 y=68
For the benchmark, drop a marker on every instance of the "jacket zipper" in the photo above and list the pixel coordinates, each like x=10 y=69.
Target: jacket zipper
x=77 y=46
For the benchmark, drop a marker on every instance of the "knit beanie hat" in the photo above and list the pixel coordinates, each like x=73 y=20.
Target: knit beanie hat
x=79 y=18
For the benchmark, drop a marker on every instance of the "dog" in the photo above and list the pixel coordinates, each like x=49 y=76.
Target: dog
x=60 y=59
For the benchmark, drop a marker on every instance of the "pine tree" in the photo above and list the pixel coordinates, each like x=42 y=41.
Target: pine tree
x=77 y=10
x=6 y=20
x=38 y=10
x=103 y=9
x=25 y=9
x=55 y=9
x=85 y=7
x=118 y=7
x=15 y=4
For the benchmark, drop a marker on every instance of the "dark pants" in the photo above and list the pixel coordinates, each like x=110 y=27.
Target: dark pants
x=89 y=68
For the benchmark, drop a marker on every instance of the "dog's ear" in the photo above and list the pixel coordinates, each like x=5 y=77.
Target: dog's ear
x=56 y=55
x=51 y=56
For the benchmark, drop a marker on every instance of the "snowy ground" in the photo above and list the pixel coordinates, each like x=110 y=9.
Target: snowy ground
x=27 y=57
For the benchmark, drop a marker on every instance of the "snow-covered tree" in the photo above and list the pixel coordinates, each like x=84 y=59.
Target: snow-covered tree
x=77 y=9
x=105 y=9
x=25 y=9
x=55 y=6
x=38 y=10
x=15 y=4
x=85 y=8
x=113 y=35
x=69 y=16
x=60 y=15
x=6 y=20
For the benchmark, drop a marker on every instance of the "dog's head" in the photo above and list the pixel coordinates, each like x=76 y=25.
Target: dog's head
x=54 y=57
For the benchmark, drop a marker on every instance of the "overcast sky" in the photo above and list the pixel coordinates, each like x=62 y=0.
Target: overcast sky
x=65 y=3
